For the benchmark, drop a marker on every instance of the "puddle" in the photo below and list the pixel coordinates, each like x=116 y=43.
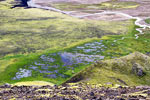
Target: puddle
x=22 y=73
x=51 y=76
x=58 y=64
x=66 y=63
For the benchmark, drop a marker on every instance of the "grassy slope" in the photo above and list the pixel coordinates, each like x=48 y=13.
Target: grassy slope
x=110 y=5
x=120 y=68
x=27 y=33
x=115 y=70
x=147 y=21
x=121 y=48
x=33 y=32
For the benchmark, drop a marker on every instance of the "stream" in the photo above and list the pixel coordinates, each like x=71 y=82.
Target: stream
x=58 y=65
x=137 y=22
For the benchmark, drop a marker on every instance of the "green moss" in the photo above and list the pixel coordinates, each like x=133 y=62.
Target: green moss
x=118 y=5
x=34 y=30
x=106 y=71
x=105 y=5
x=147 y=21
x=118 y=71
x=25 y=34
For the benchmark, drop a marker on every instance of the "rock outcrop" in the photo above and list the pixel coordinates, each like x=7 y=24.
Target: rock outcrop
x=74 y=92
x=20 y=3
x=131 y=69
x=137 y=69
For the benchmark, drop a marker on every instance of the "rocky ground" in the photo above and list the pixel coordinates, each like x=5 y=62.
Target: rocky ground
x=79 y=91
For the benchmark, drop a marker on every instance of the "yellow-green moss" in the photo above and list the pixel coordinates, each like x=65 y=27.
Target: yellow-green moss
x=106 y=71
x=114 y=4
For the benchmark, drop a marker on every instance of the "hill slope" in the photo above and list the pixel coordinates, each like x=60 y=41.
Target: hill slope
x=49 y=46
x=133 y=69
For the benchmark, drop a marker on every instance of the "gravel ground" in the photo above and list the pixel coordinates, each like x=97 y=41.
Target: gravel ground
x=74 y=92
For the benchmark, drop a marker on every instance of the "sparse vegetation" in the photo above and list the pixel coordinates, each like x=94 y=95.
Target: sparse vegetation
x=111 y=5
x=147 y=21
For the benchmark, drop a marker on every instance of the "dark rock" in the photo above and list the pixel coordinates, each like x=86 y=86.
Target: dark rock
x=119 y=99
x=21 y=3
x=99 y=98
x=24 y=2
x=121 y=81
x=94 y=98
x=7 y=85
x=92 y=94
x=63 y=99
x=55 y=86
x=148 y=53
x=137 y=69
x=43 y=92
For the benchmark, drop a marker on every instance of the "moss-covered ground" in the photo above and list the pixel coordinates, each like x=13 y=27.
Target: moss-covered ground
x=147 y=20
x=27 y=34
x=110 y=5
x=117 y=71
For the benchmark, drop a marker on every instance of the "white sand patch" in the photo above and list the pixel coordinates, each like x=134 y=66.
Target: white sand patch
x=76 y=1
x=35 y=83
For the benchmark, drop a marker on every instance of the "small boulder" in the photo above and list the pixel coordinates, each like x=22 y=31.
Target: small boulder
x=92 y=94
x=137 y=69
x=7 y=85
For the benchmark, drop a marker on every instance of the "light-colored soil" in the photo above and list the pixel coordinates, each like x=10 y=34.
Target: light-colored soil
x=75 y=1
x=108 y=17
x=36 y=83
x=141 y=11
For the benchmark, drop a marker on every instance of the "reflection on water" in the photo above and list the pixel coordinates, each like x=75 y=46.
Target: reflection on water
x=22 y=73
x=57 y=64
